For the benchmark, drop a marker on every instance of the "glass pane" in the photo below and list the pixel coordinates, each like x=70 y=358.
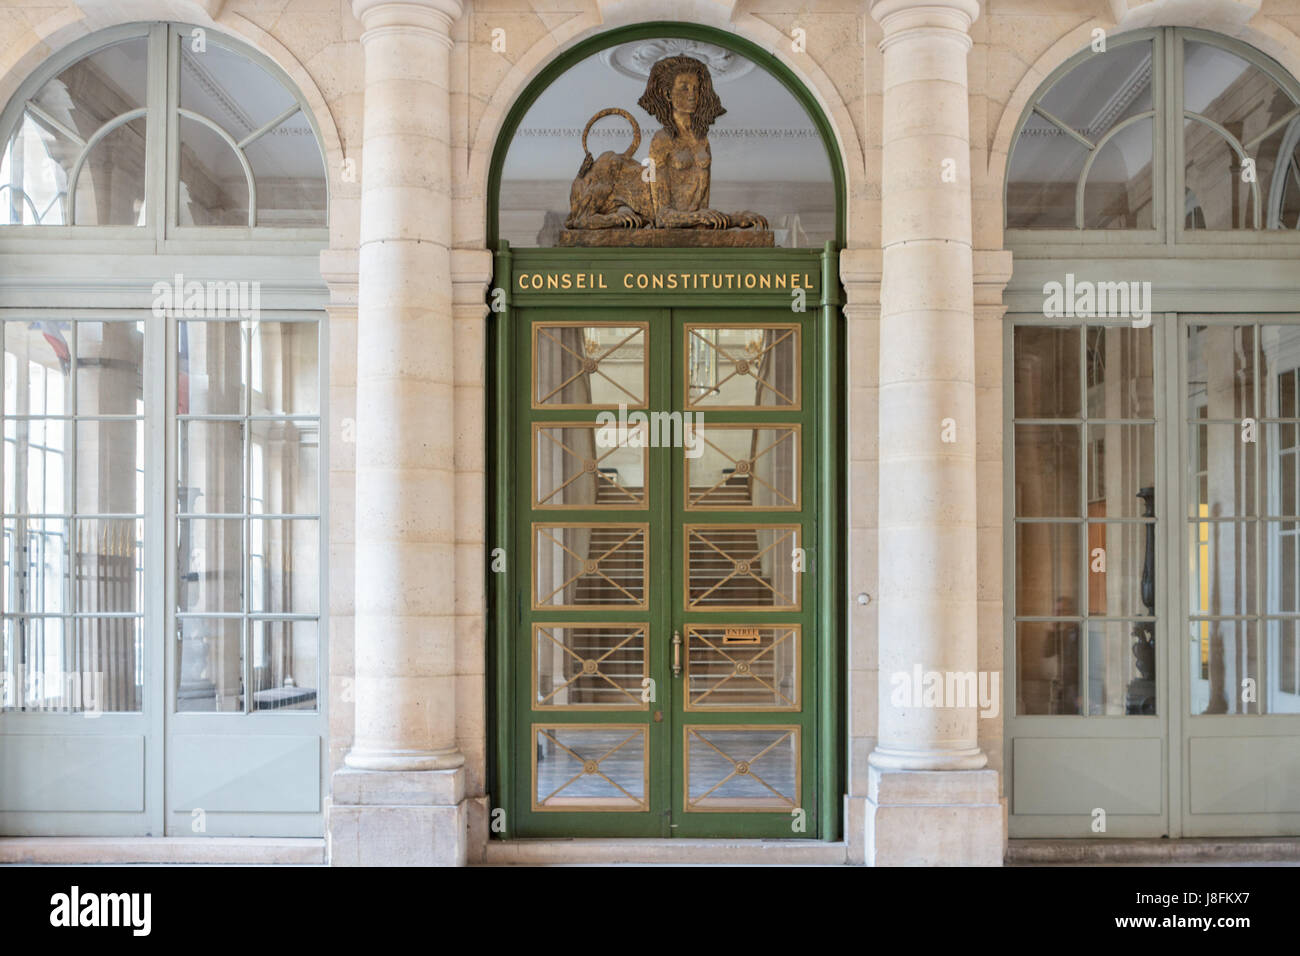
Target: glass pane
x=1121 y=668
x=110 y=368
x=284 y=368
x=1218 y=196
x=110 y=467
x=210 y=372
x=765 y=150
x=36 y=456
x=1283 y=211
x=1048 y=665
x=210 y=553
x=590 y=566
x=39 y=159
x=34 y=173
x=210 y=467
x=211 y=665
x=739 y=566
x=1095 y=96
x=47 y=673
x=284 y=467
x=1120 y=381
x=286 y=664
x=1047 y=372
x=289 y=172
x=1222 y=568
x=284 y=566
x=1119 y=584
x=584 y=767
x=588 y=467
x=1048 y=570
x=1043 y=176
x=1119 y=190
x=1221 y=371
x=1227 y=654
x=109 y=660
x=213 y=186
x=742 y=366
x=743 y=467
x=228 y=88
x=111 y=184
x=1226 y=489
x=1048 y=472
x=754 y=768
x=38 y=356
x=1281 y=567
x=109 y=565
x=590 y=365
x=1283 y=650
x=37 y=565
x=749 y=668
x=1246 y=101
x=1279 y=370
x=1121 y=471
x=590 y=666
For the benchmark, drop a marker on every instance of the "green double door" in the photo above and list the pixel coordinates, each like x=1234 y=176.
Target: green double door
x=665 y=651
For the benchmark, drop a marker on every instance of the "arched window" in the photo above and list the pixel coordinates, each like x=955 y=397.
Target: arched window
x=768 y=154
x=91 y=140
x=1099 y=143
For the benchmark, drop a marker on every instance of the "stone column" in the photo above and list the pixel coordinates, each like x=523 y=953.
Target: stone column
x=929 y=800
x=400 y=797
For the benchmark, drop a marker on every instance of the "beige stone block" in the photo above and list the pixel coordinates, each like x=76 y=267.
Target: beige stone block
x=864 y=408
x=401 y=647
x=989 y=546
x=864 y=494
x=471 y=637
x=342 y=568
x=342 y=644
x=407 y=505
x=863 y=702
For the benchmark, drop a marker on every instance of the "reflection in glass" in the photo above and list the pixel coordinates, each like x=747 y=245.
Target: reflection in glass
x=286 y=664
x=743 y=467
x=210 y=665
x=590 y=666
x=1047 y=372
x=1048 y=475
x=741 y=566
x=742 y=367
x=585 y=365
x=601 y=565
x=581 y=767
x=588 y=467
x=742 y=769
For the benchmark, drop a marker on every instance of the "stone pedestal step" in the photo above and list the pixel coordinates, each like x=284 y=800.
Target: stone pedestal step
x=1101 y=852
x=110 y=851
x=675 y=852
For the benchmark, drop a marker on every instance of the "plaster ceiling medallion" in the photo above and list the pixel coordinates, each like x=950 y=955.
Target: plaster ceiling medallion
x=634 y=60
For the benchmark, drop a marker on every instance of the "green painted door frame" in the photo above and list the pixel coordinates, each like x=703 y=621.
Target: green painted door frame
x=820 y=519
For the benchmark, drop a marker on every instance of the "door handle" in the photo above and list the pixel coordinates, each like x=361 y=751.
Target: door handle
x=677 y=653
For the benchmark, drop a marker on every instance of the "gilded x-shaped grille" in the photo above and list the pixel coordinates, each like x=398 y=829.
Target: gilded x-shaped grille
x=589 y=668
x=632 y=546
x=752 y=362
x=744 y=767
x=744 y=468
x=736 y=565
x=588 y=364
x=590 y=767
x=583 y=465
x=742 y=670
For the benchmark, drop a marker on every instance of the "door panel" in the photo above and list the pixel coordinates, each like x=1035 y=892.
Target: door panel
x=665 y=656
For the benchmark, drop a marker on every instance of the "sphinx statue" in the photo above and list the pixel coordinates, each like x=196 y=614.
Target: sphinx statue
x=615 y=192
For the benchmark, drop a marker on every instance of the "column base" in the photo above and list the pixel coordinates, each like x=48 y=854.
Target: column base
x=397 y=818
x=933 y=818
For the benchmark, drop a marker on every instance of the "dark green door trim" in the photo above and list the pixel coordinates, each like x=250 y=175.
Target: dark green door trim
x=506 y=591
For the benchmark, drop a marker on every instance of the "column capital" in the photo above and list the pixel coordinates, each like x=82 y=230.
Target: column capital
x=407 y=16
x=907 y=19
